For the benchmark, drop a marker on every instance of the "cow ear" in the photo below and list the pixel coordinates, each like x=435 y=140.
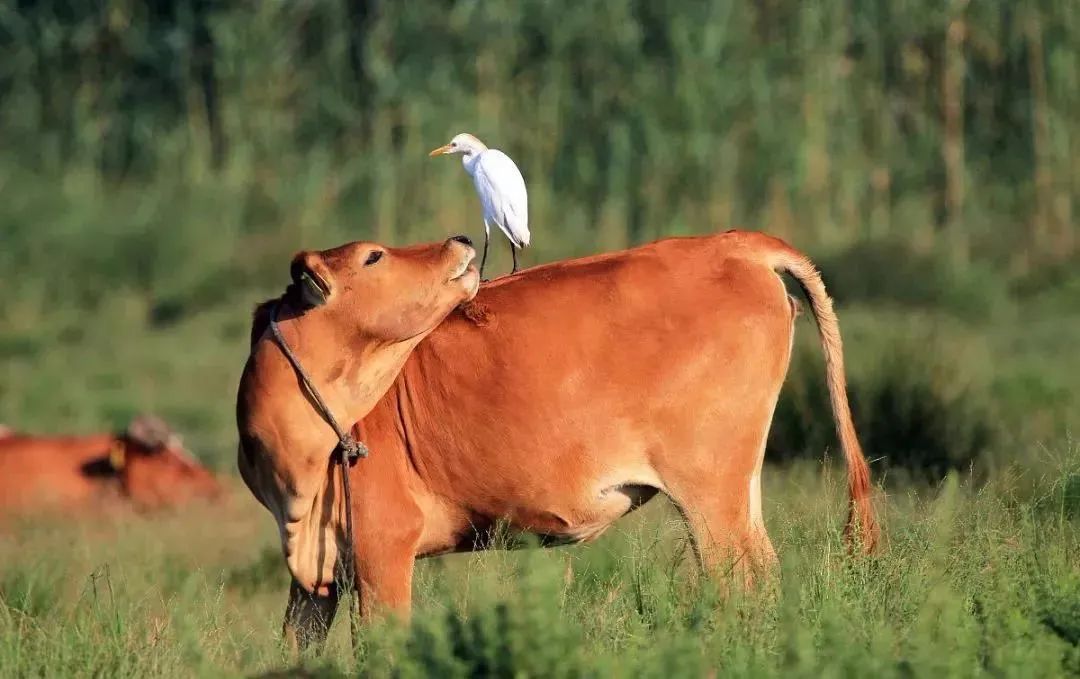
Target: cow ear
x=312 y=278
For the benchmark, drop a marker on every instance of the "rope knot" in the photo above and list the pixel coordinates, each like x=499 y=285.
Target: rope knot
x=354 y=449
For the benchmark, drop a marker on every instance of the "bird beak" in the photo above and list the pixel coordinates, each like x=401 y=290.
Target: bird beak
x=440 y=151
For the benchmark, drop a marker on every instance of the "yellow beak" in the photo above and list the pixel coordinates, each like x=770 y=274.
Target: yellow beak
x=440 y=151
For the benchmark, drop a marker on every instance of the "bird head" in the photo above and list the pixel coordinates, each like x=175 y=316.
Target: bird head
x=462 y=143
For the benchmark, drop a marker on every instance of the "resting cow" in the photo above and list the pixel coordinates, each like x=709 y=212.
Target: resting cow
x=145 y=465
x=565 y=396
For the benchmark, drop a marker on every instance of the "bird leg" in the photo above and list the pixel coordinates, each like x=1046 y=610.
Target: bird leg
x=483 y=260
x=513 y=253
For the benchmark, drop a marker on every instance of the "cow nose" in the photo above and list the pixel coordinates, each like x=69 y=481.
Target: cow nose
x=464 y=240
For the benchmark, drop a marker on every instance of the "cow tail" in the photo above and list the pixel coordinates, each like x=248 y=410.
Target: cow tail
x=861 y=531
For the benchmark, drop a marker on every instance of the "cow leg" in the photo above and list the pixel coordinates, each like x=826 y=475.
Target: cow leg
x=720 y=535
x=386 y=546
x=721 y=502
x=308 y=617
x=386 y=585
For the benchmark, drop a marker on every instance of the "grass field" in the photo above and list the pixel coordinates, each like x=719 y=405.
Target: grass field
x=975 y=580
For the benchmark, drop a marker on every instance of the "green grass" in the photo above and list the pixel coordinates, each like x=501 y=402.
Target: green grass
x=974 y=580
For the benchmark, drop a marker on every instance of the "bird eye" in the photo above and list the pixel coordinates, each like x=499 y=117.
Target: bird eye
x=375 y=256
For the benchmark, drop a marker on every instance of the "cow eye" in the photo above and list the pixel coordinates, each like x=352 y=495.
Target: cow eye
x=375 y=256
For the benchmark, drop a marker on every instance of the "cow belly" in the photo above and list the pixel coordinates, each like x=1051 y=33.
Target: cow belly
x=559 y=517
x=595 y=516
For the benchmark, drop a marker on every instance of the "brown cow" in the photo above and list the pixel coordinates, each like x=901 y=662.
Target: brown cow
x=352 y=317
x=568 y=394
x=145 y=465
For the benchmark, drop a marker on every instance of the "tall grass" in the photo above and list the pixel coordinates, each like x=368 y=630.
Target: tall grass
x=975 y=580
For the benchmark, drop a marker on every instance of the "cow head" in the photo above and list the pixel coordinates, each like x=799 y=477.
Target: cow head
x=384 y=295
x=352 y=315
x=154 y=469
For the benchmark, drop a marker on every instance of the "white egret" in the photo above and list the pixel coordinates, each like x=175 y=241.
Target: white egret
x=501 y=189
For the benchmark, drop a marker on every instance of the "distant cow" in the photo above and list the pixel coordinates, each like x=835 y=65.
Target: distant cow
x=145 y=465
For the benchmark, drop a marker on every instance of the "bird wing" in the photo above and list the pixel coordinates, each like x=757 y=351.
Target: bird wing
x=503 y=195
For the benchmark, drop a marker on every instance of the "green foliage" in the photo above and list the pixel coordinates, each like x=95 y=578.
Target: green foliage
x=1062 y=502
x=630 y=118
x=1055 y=286
x=915 y=410
x=890 y=272
x=1061 y=611
x=265 y=572
x=504 y=639
x=29 y=592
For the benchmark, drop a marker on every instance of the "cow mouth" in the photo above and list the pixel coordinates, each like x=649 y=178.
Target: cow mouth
x=319 y=283
x=310 y=282
x=463 y=268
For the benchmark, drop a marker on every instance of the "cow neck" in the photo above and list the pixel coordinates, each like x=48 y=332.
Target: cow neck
x=349 y=447
x=402 y=399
